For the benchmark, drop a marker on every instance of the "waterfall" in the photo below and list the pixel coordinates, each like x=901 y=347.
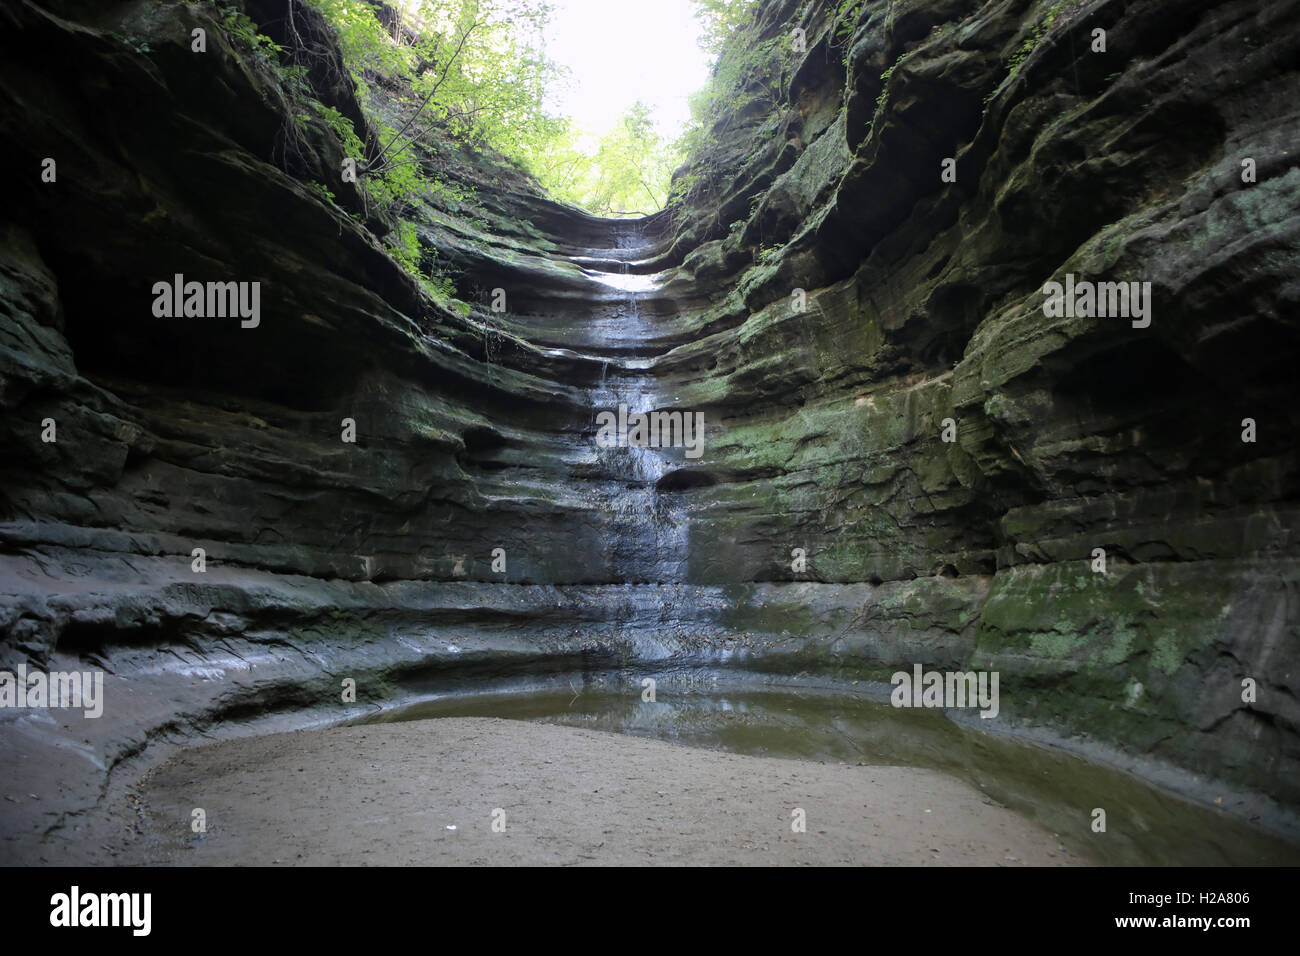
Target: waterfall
x=646 y=535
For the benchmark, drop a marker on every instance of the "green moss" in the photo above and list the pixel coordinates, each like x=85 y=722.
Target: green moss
x=1167 y=655
x=1121 y=646
x=1057 y=644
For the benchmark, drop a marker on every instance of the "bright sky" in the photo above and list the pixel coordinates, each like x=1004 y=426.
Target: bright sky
x=620 y=51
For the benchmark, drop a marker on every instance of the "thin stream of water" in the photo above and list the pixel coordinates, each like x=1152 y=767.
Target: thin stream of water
x=646 y=531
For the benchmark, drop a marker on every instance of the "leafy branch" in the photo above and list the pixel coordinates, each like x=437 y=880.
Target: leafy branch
x=376 y=165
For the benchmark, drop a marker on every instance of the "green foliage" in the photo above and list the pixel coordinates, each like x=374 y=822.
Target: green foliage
x=321 y=191
x=1036 y=35
x=626 y=175
x=367 y=47
x=405 y=247
x=719 y=20
x=884 y=80
x=243 y=33
x=741 y=77
x=399 y=188
x=630 y=170
x=474 y=73
x=468 y=70
x=747 y=75
x=846 y=17
x=1052 y=12
x=443 y=289
x=477 y=75
x=1022 y=53
x=475 y=68
x=341 y=127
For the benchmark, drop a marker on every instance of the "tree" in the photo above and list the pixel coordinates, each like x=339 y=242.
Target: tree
x=631 y=167
x=476 y=71
x=719 y=20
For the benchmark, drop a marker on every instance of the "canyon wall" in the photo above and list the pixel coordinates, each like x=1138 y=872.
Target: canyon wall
x=907 y=459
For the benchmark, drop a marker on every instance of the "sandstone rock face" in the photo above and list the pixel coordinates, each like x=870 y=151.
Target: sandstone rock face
x=832 y=304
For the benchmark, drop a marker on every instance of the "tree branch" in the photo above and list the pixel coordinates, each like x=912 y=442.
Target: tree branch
x=446 y=68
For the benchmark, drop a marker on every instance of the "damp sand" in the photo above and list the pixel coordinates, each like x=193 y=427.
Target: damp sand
x=439 y=792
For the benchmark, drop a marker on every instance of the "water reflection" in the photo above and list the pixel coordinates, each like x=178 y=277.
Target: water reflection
x=1145 y=826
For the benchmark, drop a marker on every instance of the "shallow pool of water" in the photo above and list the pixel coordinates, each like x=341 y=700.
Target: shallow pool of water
x=1144 y=825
